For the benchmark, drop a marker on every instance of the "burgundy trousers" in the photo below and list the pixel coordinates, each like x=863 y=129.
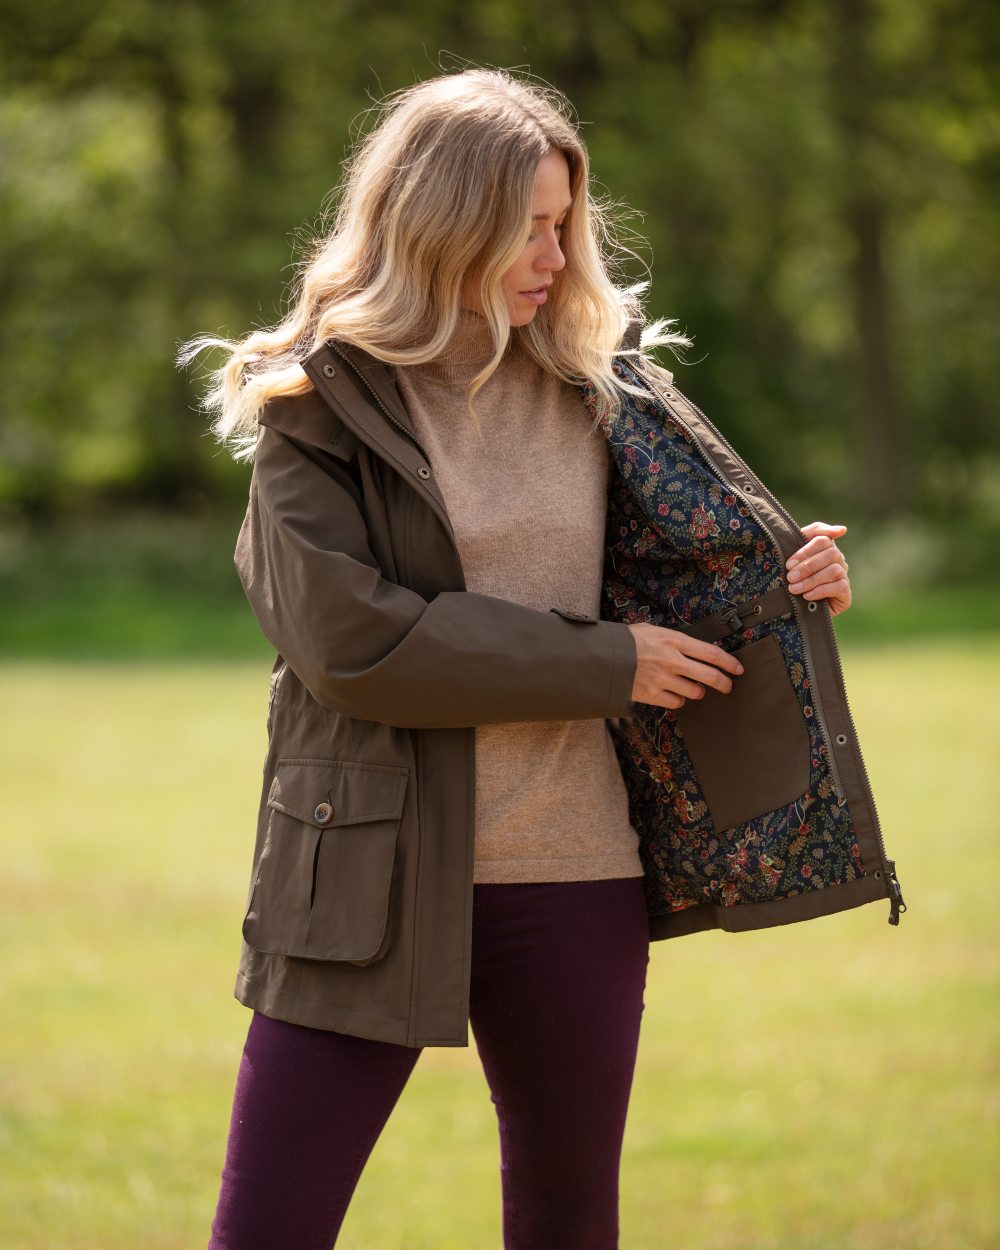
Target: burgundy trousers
x=558 y=976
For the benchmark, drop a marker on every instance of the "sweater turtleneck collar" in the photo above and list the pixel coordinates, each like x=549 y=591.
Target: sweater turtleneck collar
x=469 y=350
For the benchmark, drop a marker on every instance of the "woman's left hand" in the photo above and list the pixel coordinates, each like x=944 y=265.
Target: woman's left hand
x=818 y=570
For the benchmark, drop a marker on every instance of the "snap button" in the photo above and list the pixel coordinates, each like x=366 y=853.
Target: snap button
x=423 y=471
x=841 y=739
x=329 y=371
x=323 y=813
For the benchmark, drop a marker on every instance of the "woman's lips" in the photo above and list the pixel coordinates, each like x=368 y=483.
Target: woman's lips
x=537 y=297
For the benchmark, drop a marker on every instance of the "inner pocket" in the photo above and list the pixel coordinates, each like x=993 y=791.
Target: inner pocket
x=749 y=748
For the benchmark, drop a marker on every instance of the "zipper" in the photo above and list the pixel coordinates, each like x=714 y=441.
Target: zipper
x=894 y=889
x=797 y=609
x=446 y=520
x=378 y=399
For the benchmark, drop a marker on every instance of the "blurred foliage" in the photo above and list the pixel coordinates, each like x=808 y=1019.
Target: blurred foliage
x=817 y=181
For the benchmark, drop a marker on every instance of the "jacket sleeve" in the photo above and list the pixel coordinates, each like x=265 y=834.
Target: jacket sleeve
x=366 y=646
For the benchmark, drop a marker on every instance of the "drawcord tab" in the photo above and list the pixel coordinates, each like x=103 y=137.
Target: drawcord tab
x=895 y=892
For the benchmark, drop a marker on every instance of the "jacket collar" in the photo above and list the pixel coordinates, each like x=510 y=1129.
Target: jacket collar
x=359 y=391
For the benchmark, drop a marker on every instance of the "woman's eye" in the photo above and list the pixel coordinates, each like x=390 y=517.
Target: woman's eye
x=560 y=226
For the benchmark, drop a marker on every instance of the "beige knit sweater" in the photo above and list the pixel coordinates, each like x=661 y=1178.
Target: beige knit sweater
x=527 y=506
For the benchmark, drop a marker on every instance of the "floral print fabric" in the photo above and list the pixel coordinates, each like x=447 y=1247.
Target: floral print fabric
x=681 y=545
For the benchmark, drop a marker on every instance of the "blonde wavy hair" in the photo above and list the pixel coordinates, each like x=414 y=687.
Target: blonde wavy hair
x=439 y=188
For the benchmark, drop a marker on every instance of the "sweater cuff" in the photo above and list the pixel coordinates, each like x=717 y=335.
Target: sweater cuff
x=624 y=662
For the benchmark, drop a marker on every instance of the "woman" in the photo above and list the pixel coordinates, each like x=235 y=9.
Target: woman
x=444 y=833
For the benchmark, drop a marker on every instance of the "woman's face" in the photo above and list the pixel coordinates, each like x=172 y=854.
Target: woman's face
x=526 y=282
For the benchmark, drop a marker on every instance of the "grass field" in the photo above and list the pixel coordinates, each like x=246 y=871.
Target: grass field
x=826 y=1086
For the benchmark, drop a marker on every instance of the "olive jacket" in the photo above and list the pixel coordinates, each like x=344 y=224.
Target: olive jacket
x=752 y=808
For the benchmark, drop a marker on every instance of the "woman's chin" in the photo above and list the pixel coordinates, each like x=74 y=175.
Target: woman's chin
x=522 y=316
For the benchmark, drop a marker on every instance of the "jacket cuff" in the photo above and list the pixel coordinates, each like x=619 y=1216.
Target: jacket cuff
x=624 y=662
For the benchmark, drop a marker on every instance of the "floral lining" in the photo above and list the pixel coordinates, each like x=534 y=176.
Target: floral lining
x=681 y=546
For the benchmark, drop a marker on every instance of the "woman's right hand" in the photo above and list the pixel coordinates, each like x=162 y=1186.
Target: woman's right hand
x=673 y=666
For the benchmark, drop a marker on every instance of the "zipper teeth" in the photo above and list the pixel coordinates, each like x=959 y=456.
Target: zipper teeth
x=797 y=609
x=445 y=519
x=831 y=632
x=864 y=768
x=779 y=507
x=378 y=399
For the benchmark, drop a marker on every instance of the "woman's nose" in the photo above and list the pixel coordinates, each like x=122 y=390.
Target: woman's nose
x=553 y=259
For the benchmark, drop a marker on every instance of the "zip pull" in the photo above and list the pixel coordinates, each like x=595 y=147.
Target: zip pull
x=895 y=892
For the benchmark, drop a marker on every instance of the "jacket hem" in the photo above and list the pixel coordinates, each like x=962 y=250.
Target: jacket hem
x=320 y=1013
x=746 y=916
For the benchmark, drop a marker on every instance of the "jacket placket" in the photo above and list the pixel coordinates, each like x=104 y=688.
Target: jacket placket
x=735 y=898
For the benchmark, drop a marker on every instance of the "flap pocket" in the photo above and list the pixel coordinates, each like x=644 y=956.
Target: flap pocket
x=323 y=883
x=353 y=792
x=749 y=748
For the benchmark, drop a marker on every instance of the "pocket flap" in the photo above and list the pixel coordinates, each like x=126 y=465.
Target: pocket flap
x=326 y=793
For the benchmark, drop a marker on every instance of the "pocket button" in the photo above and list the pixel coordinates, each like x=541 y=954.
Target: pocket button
x=323 y=813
